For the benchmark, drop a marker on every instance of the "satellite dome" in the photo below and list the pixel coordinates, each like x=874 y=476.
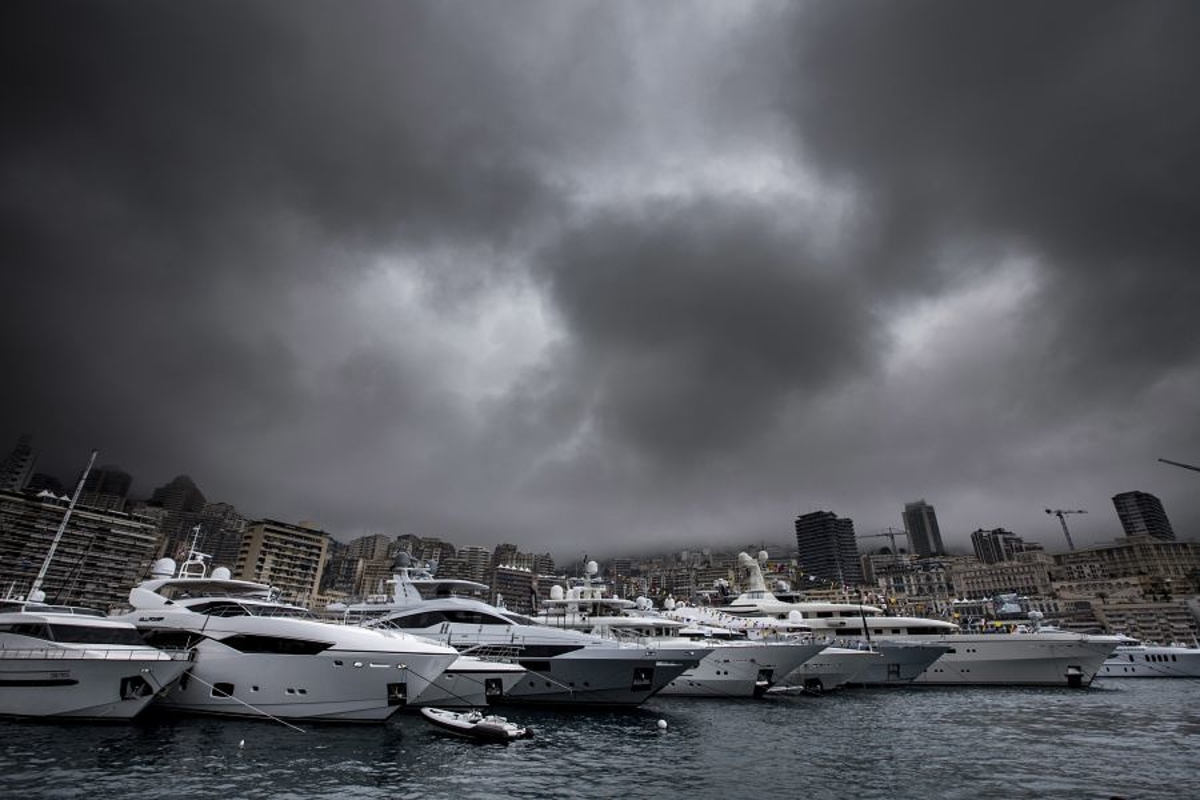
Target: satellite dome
x=762 y=556
x=556 y=592
x=795 y=616
x=669 y=604
x=221 y=574
x=403 y=560
x=592 y=568
x=163 y=568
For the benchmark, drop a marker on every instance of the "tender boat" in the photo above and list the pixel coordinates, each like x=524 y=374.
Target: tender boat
x=475 y=725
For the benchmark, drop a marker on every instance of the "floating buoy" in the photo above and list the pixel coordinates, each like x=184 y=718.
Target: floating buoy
x=662 y=724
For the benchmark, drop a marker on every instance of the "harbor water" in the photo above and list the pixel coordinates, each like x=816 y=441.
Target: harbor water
x=1120 y=738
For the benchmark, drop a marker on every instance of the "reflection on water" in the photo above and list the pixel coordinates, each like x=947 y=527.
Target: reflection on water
x=1132 y=738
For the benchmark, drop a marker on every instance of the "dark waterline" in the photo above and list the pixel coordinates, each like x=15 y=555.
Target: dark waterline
x=1123 y=738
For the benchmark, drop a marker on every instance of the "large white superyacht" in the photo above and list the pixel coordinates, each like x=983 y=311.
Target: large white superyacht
x=1049 y=658
x=1136 y=659
x=564 y=667
x=737 y=667
x=64 y=662
x=259 y=657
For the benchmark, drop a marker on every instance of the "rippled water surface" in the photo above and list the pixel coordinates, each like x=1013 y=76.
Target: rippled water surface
x=1123 y=738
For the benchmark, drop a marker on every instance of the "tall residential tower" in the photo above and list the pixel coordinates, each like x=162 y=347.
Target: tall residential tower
x=1142 y=513
x=921 y=525
x=827 y=548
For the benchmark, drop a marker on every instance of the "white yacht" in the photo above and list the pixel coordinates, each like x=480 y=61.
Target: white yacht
x=1134 y=659
x=738 y=666
x=563 y=666
x=1052 y=658
x=62 y=662
x=259 y=657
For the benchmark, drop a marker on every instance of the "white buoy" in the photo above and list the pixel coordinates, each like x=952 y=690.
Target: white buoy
x=662 y=724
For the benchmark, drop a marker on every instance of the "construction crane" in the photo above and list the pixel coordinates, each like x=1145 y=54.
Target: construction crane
x=1062 y=517
x=1178 y=464
x=890 y=533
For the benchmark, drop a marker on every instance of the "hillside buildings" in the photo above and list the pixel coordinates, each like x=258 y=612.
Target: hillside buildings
x=288 y=557
x=17 y=467
x=997 y=545
x=101 y=556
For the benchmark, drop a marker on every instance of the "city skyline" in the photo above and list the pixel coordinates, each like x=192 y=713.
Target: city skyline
x=592 y=277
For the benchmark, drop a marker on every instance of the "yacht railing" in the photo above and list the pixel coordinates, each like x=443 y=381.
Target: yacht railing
x=95 y=654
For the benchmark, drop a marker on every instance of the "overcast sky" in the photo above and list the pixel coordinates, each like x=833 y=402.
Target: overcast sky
x=613 y=276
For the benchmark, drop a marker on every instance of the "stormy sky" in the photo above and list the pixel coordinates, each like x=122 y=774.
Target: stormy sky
x=609 y=277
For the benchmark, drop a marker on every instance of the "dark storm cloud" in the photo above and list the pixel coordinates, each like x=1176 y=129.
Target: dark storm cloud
x=173 y=177
x=1067 y=129
x=701 y=319
x=584 y=275
x=1063 y=131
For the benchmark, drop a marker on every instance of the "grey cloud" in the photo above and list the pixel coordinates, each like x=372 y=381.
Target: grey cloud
x=195 y=198
x=699 y=320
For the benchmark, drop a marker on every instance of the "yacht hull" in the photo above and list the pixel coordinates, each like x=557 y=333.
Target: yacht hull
x=742 y=669
x=1152 y=661
x=1018 y=659
x=332 y=686
x=84 y=684
x=832 y=668
x=609 y=677
x=470 y=683
x=899 y=663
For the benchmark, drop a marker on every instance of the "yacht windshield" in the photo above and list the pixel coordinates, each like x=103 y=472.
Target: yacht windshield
x=231 y=608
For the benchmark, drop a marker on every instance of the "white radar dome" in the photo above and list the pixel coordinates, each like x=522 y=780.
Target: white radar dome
x=795 y=616
x=163 y=568
x=592 y=568
x=556 y=593
x=221 y=574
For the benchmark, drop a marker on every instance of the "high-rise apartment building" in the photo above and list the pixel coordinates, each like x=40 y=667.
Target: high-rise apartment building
x=102 y=554
x=17 y=467
x=289 y=557
x=996 y=545
x=921 y=525
x=1142 y=514
x=106 y=488
x=827 y=548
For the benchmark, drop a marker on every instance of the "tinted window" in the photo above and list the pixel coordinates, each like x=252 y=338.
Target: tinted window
x=420 y=620
x=474 y=617
x=81 y=634
x=220 y=608
x=274 y=644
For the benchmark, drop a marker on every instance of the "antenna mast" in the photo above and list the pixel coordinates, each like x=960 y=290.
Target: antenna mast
x=62 y=527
